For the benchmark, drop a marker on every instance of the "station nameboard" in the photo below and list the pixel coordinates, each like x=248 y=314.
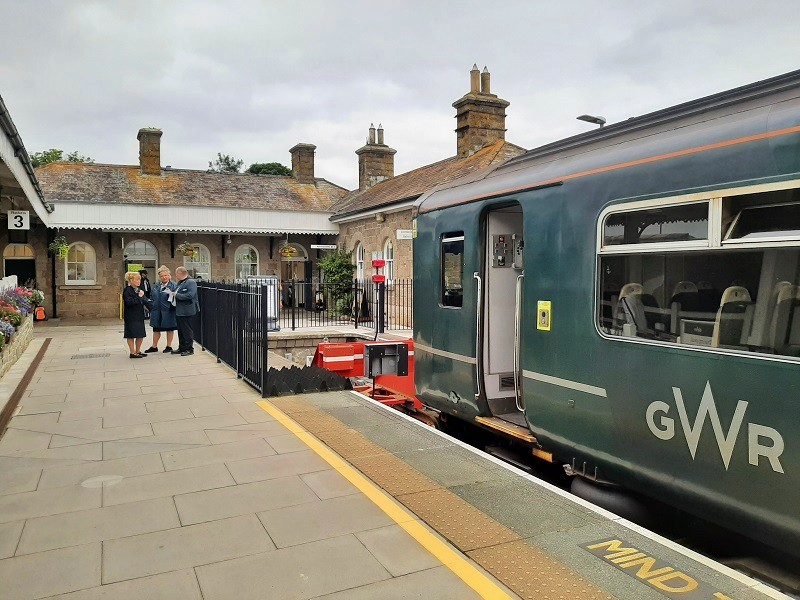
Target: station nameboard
x=404 y=234
x=323 y=246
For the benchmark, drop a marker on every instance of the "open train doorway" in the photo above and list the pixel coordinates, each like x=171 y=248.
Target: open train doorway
x=502 y=313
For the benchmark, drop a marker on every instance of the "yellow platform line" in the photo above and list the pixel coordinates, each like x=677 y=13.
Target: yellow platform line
x=460 y=566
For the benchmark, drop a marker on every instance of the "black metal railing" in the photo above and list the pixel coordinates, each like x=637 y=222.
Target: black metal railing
x=233 y=324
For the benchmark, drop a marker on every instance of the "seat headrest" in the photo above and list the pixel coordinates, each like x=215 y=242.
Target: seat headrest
x=735 y=293
x=631 y=289
x=685 y=287
x=787 y=291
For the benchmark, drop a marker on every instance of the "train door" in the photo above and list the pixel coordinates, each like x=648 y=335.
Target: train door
x=502 y=314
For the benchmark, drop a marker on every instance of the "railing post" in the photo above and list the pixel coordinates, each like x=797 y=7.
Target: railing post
x=216 y=321
x=355 y=303
x=239 y=321
x=202 y=338
x=264 y=340
x=293 y=301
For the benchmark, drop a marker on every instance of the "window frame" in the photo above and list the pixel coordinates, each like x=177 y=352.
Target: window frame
x=93 y=262
x=237 y=262
x=447 y=237
x=360 y=255
x=188 y=261
x=389 y=268
x=715 y=199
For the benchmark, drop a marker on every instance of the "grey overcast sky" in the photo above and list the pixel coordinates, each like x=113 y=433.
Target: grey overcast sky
x=252 y=79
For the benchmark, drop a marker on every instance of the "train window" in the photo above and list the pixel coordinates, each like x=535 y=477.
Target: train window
x=759 y=217
x=746 y=300
x=686 y=222
x=452 y=269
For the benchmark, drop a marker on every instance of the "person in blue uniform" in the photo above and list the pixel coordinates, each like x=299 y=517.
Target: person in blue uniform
x=162 y=311
x=186 y=307
x=134 y=302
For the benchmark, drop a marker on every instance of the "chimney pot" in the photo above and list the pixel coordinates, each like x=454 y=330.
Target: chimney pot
x=380 y=134
x=149 y=151
x=303 y=162
x=371 y=133
x=485 y=81
x=474 y=77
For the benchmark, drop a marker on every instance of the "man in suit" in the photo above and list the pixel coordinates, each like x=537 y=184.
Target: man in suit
x=186 y=307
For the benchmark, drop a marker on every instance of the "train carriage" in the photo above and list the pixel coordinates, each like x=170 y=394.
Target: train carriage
x=628 y=302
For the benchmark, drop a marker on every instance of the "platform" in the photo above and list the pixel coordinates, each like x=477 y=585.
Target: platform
x=166 y=477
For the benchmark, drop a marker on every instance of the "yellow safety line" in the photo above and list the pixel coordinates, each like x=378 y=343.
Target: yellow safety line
x=453 y=560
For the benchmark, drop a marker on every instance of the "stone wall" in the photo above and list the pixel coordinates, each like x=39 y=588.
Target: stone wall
x=101 y=300
x=19 y=342
x=373 y=236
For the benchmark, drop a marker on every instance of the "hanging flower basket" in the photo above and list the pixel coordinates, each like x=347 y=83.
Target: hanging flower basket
x=59 y=247
x=187 y=249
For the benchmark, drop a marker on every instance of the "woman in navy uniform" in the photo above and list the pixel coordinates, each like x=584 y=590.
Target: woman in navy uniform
x=162 y=311
x=134 y=302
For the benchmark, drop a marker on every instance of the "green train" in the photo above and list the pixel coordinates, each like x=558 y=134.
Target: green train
x=627 y=303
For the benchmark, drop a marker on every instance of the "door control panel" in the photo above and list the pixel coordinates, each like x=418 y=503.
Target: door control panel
x=501 y=250
x=517 y=247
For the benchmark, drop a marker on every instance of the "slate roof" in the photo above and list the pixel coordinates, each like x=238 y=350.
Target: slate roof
x=412 y=184
x=123 y=184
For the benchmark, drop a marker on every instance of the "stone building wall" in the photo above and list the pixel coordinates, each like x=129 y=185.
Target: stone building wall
x=373 y=235
x=101 y=300
x=37 y=239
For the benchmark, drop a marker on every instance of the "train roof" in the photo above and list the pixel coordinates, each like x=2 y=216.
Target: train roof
x=631 y=140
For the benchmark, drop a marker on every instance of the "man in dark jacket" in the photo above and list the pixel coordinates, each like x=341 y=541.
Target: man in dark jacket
x=186 y=307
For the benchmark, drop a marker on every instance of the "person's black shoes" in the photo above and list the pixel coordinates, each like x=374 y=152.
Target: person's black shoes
x=151 y=349
x=187 y=352
x=176 y=351
x=137 y=355
x=167 y=350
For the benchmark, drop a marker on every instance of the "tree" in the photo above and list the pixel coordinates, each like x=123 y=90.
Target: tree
x=272 y=168
x=225 y=163
x=338 y=269
x=39 y=159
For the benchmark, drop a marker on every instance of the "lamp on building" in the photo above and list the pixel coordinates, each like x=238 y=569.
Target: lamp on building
x=228 y=241
x=592 y=119
x=380 y=217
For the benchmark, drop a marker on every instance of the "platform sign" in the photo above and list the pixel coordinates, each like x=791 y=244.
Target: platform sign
x=19 y=220
x=404 y=234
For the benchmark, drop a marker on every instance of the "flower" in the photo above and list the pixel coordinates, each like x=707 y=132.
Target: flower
x=6 y=329
x=59 y=247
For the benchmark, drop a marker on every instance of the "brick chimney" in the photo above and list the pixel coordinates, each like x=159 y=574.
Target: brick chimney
x=480 y=115
x=303 y=162
x=375 y=160
x=150 y=151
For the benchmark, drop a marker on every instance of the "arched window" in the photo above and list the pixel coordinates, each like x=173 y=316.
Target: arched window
x=80 y=264
x=388 y=256
x=141 y=254
x=199 y=265
x=246 y=259
x=359 y=254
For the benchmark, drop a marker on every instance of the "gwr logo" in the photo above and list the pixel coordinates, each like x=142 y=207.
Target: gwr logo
x=667 y=580
x=664 y=429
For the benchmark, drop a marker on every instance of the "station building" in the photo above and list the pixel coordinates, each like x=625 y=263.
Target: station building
x=121 y=217
x=375 y=220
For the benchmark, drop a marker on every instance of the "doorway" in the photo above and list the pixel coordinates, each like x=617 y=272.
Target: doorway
x=20 y=260
x=141 y=252
x=502 y=313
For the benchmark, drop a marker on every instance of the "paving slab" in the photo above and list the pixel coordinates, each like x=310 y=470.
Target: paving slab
x=219 y=453
x=174 y=549
x=9 y=537
x=243 y=499
x=28 y=505
x=175 y=585
x=328 y=484
x=49 y=573
x=170 y=483
x=304 y=571
x=20 y=480
x=124 y=467
x=96 y=525
x=280 y=465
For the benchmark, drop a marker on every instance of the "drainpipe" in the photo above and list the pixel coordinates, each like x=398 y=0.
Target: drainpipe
x=51 y=235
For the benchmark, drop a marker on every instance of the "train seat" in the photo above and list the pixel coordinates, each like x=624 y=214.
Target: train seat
x=637 y=308
x=734 y=317
x=785 y=325
x=684 y=299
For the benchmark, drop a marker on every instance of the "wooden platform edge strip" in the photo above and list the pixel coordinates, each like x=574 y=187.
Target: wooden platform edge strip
x=16 y=396
x=458 y=564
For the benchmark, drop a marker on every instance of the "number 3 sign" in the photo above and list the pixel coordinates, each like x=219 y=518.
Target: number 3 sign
x=19 y=219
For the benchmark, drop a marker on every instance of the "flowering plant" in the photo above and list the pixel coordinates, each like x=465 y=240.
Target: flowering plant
x=186 y=249
x=59 y=247
x=6 y=330
x=19 y=298
x=37 y=297
x=11 y=315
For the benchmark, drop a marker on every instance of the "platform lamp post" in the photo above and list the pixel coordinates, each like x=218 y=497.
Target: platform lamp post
x=380 y=284
x=592 y=119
